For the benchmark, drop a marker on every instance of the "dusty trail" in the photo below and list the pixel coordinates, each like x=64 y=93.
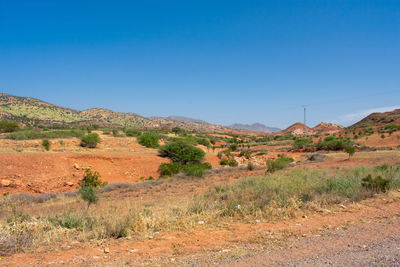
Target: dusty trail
x=367 y=244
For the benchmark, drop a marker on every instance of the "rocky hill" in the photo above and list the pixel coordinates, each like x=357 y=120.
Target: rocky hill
x=328 y=128
x=297 y=129
x=378 y=119
x=255 y=127
x=33 y=111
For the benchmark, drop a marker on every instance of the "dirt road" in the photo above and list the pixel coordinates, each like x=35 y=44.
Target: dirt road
x=367 y=244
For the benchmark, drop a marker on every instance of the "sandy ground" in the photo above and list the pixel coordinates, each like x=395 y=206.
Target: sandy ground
x=355 y=233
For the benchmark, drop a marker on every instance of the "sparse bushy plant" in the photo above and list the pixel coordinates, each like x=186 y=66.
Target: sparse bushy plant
x=280 y=163
x=149 y=139
x=90 y=140
x=181 y=152
x=46 y=144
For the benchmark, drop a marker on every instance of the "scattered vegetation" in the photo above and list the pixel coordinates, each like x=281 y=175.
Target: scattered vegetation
x=40 y=134
x=280 y=163
x=283 y=193
x=181 y=152
x=350 y=150
x=46 y=144
x=8 y=126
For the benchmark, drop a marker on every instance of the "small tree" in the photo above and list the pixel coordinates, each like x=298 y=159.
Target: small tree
x=350 y=150
x=181 y=152
x=90 y=140
x=90 y=183
x=149 y=139
x=46 y=144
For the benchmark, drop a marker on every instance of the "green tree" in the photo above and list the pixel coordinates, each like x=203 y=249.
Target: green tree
x=181 y=152
x=149 y=139
x=46 y=144
x=90 y=140
x=350 y=150
x=90 y=183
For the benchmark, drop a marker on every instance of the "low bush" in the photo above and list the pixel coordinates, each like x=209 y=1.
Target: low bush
x=377 y=184
x=246 y=154
x=283 y=194
x=303 y=143
x=229 y=162
x=90 y=140
x=8 y=126
x=31 y=134
x=149 y=139
x=280 y=163
x=46 y=144
x=250 y=166
x=181 y=152
x=169 y=169
x=133 y=132
x=194 y=170
x=90 y=183
x=350 y=150
x=333 y=143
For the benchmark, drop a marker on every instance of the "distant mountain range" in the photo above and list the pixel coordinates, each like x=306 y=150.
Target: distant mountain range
x=255 y=127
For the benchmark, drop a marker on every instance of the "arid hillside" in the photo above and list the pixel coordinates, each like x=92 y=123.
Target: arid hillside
x=31 y=111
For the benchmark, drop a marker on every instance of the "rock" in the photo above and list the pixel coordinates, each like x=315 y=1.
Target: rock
x=304 y=216
x=76 y=166
x=106 y=250
x=316 y=157
x=69 y=183
x=6 y=182
x=200 y=222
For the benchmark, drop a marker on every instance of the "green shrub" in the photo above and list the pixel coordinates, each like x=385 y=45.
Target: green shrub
x=303 y=143
x=332 y=143
x=194 y=170
x=90 y=140
x=32 y=134
x=115 y=132
x=280 y=163
x=230 y=162
x=92 y=179
x=281 y=194
x=46 y=144
x=181 y=152
x=177 y=130
x=350 y=150
x=392 y=126
x=169 y=169
x=149 y=139
x=88 y=194
x=377 y=184
x=233 y=147
x=8 y=126
x=246 y=154
x=224 y=153
x=133 y=132
x=250 y=166
x=89 y=184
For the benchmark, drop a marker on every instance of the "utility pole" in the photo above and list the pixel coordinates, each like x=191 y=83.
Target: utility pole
x=304 y=115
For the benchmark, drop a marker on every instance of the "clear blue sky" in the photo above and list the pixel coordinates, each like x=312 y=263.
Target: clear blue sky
x=220 y=61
